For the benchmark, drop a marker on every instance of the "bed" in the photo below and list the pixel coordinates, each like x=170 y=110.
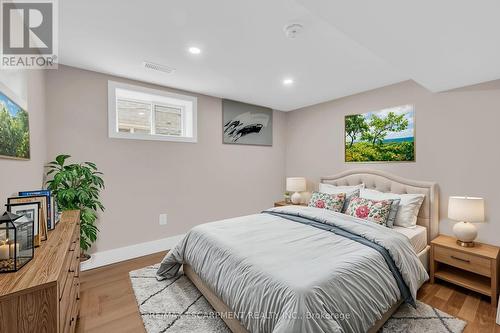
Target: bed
x=297 y=269
x=428 y=216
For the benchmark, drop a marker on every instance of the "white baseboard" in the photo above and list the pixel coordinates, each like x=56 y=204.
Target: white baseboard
x=104 y=258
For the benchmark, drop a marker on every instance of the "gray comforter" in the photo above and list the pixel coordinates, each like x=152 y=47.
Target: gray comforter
x=280 y=276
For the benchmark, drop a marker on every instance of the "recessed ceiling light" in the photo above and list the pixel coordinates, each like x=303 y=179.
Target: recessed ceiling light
x=288 y=81
x=194 y=50
x=141 y=113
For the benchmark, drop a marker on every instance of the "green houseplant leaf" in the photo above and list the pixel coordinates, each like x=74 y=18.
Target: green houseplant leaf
x=77 y=186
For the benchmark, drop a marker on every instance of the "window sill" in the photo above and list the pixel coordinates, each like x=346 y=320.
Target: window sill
x=147 y=137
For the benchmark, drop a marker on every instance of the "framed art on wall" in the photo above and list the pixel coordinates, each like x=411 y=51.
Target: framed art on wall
x=14 y=130
x=246 y=124
x=32 y=212
x=387 y=135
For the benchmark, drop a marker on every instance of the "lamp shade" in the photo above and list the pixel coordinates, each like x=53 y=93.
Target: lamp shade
x=467 y=209
x=295 y=184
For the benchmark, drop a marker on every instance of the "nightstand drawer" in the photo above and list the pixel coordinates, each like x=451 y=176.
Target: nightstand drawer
x=461 y=260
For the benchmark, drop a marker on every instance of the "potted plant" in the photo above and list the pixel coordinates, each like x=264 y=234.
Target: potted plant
x=77 y=186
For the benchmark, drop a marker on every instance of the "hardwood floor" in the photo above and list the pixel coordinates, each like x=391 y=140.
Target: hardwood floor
x=462 y=303
x=107 y=300
x=108 y=303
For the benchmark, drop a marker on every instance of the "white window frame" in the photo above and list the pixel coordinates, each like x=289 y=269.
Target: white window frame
x=188 y=104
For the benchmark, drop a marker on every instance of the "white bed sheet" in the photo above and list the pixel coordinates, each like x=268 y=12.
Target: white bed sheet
x=423 y=256
x=417 y=236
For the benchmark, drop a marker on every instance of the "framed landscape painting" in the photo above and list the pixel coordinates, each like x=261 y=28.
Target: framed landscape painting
x=14 y=130
x=387 y=135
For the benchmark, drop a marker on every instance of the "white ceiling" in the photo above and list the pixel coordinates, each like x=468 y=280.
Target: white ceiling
x=441 y=44
x=346 y=47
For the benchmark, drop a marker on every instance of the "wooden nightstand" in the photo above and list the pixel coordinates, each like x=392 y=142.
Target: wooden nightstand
x=283 y=203
x=474 y=268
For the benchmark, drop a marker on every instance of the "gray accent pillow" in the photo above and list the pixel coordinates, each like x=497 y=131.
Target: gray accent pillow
x=394 y=211
x=348 y=199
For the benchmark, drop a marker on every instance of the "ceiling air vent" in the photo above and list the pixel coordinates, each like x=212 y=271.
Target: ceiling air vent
x=157 y=67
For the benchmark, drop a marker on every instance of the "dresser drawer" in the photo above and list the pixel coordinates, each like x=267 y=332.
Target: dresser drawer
x=69 y=290
x=68 y=267
x=75 y=263
x=461 y=260
x=75 y=238
x=71 y=266
x=74 y=315
x=67 y=304
x=72 y=318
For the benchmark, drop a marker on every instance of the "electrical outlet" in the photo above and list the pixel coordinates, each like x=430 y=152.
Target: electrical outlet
x=163 y=219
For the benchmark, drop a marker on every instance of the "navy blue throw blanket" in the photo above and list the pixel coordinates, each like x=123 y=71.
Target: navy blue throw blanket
x=317 y=223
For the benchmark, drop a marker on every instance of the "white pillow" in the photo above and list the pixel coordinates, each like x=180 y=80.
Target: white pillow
x=408 y=206
x=332 y=189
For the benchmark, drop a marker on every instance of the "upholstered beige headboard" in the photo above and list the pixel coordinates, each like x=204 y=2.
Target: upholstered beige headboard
x=385 y=182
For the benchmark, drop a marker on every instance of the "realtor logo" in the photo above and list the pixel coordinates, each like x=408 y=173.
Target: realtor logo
x=29 y=34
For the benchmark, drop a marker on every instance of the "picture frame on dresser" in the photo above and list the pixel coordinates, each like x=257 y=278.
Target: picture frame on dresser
x=32 y=211
x=42 y=200
x=50 y=204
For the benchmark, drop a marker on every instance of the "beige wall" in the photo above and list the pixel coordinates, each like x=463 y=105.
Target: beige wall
x=192 y=183
x=29 y=90
x=457 y=137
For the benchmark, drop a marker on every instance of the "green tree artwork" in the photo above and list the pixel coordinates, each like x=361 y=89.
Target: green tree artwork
x=14 y=130
x=387 y=135
x=355 y=125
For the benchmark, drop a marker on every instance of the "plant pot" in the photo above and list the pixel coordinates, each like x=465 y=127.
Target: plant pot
x=84 y=257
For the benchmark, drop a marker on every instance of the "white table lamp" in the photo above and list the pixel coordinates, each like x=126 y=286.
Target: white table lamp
x=296 y=185
x=467 y=210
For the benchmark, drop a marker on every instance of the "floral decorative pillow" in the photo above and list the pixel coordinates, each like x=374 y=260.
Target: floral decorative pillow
x=372 y=210
x=333 y=202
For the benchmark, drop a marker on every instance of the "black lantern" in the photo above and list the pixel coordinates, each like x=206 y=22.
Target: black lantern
x=16 y=242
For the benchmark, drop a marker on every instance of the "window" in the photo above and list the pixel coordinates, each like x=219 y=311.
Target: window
x=146 y=114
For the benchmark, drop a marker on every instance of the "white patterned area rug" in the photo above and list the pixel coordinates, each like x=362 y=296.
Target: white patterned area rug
x=176 y=305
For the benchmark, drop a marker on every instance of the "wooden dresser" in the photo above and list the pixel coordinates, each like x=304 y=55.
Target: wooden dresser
x=44 y=295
